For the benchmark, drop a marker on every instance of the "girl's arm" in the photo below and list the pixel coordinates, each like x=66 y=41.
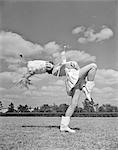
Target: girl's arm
x=72 y=65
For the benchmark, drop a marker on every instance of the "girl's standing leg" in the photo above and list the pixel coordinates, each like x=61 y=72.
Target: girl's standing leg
x=66 y=119
x=74 y=102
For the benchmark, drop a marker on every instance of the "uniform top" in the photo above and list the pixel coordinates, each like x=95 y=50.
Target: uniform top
x=62 y=69
x=39 y=66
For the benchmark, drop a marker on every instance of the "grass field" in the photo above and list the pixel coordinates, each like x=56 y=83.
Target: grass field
x=42 y=133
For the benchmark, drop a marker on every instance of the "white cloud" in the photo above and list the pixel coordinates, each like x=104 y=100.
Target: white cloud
x=104 y=34
x=13 y=63
x=59 y=83
x=80 y=56
x=2 y=89
x=55 y=50
x=89 y=34
x=13 y=44
x=106 y=95
x=78 y=30
x=74 y=55
x=6 y=75
x=53 y=88
x=52 y=47
x=107 y=77
x=82 y=40
x=47 y=90
x=106 y=90
x=12 y=60
x=13 y=67
x=9 y=76
x=33 y=93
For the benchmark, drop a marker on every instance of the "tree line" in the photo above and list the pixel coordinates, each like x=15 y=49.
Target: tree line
x=46 y=108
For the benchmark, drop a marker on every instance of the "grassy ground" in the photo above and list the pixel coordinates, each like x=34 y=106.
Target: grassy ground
x=42 y=133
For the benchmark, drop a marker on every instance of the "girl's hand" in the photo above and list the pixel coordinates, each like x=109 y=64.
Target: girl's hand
x=72 y=65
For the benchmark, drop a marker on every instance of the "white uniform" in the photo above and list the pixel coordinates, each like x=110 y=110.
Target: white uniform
x=71 y=71
x=37 y=66
x=72 y=75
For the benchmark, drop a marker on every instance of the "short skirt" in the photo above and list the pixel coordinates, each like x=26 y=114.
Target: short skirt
x=72 y=77
x=73 y=81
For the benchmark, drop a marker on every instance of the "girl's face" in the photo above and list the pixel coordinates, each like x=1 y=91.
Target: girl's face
x=49 y=66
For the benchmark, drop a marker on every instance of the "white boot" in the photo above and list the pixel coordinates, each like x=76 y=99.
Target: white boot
x=88 y=88
x=64 y=124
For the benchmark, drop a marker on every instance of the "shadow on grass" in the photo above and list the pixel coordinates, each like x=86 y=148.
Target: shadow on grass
x=33 y=126
x=50 y=126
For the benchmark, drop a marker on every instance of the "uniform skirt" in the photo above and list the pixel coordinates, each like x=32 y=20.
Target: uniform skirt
x=72 y=78
x=72 y=82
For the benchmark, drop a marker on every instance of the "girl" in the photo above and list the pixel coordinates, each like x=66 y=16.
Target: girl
x=77 y=79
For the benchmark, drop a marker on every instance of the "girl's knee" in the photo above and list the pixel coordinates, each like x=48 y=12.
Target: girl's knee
x=94 y=66
x=76 y=93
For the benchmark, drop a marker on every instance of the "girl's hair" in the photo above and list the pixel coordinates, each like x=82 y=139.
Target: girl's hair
x=49 y=71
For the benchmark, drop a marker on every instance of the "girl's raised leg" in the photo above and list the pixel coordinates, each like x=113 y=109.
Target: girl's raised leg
x=88 y=73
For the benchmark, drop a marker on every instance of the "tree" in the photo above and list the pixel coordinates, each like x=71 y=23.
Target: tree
x=78 y=109
x=1 y=106
x=87 y=106
x=63 y=108
x=36 y=109
x=11 y=107
x=108 y=108
x=45 y=108
x=22 y=108
x=114 y=108
x=54 y=108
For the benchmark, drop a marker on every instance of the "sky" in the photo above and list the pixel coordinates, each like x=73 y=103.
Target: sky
x=37 y=29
